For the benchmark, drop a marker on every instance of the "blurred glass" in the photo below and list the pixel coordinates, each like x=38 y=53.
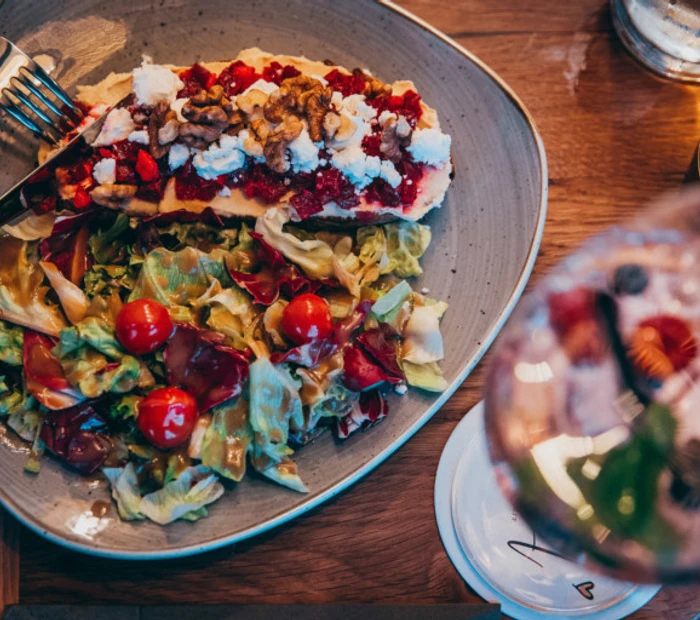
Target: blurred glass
x=593 y=400
x=662 y=34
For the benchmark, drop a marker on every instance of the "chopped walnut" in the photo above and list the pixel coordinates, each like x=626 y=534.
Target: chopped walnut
x=169 y=132
x=331 y=124
x=373 y=86
x=301 y=95
x=236 y=119
x=252 y=146
x=346 y=130
x=251 y=101
x=207 y=114
x=205 y=125
x=275 y=149
x=113 y=196
x=261 y=128
x=318 y=102
x=395 y=135
x=162 y=124
x=214 y=96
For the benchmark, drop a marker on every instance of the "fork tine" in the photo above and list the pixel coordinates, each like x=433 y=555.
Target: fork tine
x=32 y=106
x=18 y=103
x=27 y=83
x=37 y=72
x=22 y=118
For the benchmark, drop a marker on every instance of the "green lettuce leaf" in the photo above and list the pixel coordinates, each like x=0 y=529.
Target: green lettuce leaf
x=274 y=402
x=227 y=439
x=406 y=242
x=26 y=419
x=11 y=342
x=73 y=300
x=425 y=376
x=284 y=473
x=176 y=279
x=198 y=235
x=108 y=246
x=106 y=280
x=385 y=308
x=93 y=332
x=182 y=498
x=352 y=271
x=94 y=362
x=124 y=482
x=315 y=257
x=22 y=292
x=125 y=408
x=232 y=313
x=9 y=398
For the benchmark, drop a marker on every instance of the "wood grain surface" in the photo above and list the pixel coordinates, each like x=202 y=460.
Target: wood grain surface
x=615 y=137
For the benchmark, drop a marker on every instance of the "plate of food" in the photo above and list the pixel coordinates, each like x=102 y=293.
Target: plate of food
x=295 y=234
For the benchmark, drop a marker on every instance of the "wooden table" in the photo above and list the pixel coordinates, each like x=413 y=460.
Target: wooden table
x=615 y=137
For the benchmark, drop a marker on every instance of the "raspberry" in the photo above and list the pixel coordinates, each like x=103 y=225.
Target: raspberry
x=306 y=204
x=380 y=191
x=264 y=184
x=371 y=144
x=237 y=77
x=347 y=84
x=126 y=152
x=276 y=73
x=190 y=186
x=151 y=192
x=407 y=105
x=196 y=78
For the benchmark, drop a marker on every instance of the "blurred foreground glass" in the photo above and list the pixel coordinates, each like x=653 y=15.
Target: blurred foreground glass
x=593 y=400
x=664 y=35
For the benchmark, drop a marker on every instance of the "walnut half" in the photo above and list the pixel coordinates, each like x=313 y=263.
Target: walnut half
x=113 y=196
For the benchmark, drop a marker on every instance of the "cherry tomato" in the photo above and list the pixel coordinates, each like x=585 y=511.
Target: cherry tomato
x=307 y=318
x=143 y=326
x=167 y=417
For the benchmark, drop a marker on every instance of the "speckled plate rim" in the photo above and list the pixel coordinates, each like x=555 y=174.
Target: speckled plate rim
x=339 y=487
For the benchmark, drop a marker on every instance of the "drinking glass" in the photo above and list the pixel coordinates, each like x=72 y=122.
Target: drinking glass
x=664 y=35
x=593 y=400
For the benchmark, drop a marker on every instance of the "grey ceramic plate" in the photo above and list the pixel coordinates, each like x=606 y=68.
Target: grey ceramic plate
x=486 y=235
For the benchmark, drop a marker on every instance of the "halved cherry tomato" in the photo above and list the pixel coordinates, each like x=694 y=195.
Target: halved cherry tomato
x=307 y=318
x=167 y=417
x=143 y=326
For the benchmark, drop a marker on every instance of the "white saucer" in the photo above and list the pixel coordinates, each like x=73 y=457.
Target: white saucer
x=492 y=548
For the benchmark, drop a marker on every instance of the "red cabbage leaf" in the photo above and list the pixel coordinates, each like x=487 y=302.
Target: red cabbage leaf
x=196 y=360
x=78 y=436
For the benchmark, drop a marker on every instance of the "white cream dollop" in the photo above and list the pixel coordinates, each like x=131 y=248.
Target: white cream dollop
x=430 y=146
x=140 y=136
x=117 y=126
x=178 y=155
x=105 y=171
x=357 y=166
x=219 y=158
x=155 y=83
x=304 y=153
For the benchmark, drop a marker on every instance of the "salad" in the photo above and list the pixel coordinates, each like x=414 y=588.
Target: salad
x=175 y=351
x=172 y=349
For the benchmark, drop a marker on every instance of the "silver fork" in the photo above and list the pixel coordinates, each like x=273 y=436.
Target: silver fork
x=32 y=98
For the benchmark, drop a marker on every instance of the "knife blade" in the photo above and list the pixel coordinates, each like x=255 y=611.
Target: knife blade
x=13 y=204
